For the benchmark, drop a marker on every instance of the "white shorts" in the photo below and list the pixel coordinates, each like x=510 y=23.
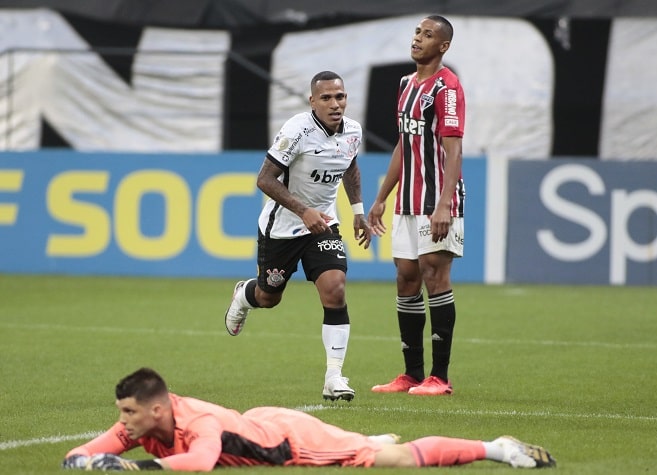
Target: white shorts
x=411 y=237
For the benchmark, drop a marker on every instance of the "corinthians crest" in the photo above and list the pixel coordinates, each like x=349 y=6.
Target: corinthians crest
x=275 y=277
x=353 y=144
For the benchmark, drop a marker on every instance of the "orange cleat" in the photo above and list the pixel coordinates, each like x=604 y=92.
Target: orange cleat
x=432 y=386
x=401 y=384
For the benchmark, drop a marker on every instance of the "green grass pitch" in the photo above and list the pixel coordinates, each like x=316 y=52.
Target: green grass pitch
x=570 y=368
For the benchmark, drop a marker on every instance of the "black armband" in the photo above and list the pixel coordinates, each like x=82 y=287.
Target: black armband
x=148 y=465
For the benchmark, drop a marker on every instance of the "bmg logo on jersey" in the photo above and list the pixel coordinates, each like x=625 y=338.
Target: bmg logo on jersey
x=327 y=176
x=331 y=245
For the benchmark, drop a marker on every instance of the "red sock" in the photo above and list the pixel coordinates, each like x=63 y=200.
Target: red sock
x=445 y=451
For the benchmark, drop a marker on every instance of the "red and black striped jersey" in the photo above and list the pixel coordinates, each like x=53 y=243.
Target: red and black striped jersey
x=427 y=111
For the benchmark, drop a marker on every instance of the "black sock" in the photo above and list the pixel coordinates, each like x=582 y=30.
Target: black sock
x=249 y=292
x=442 y=312
x=412 y=317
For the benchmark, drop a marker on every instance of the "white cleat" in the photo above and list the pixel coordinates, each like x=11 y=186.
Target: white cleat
x=337 y=388
x=521 y=455
x=235 y=315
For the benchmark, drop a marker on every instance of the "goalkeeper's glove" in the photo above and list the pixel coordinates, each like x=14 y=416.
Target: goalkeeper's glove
x=110 y=462
x=107 y=462
x=75 y=461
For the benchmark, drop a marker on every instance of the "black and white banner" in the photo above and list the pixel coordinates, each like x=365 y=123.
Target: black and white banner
x=534 y=88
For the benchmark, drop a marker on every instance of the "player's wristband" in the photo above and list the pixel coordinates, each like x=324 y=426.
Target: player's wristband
x=358 y=208
x=148 y=465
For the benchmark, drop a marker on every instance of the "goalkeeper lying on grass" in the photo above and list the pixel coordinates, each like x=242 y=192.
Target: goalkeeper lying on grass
x=193 y=435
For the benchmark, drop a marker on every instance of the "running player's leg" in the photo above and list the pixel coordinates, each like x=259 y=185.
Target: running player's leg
x=325 y=264
x=277 y=261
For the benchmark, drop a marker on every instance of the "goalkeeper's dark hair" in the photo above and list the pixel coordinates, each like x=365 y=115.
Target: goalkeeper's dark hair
x=144 y=384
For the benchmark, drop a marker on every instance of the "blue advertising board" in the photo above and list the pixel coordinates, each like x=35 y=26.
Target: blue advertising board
x=582 y=222
x=174 y=215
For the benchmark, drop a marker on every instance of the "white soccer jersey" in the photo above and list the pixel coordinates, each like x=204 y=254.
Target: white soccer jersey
x=313 y=159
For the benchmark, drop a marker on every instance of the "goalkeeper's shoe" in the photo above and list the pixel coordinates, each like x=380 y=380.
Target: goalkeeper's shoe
x=519 y=454
x=401 y=384
x=236 y=315
x=337 y=388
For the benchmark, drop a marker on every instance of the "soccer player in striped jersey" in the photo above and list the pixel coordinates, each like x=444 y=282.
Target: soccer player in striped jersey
x=312 y=154
x=187 y=434
x=427 y=225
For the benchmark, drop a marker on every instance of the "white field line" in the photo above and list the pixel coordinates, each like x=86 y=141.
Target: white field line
x=12 y=444
x=195 y=333
x=255 y=334
x=481 y=413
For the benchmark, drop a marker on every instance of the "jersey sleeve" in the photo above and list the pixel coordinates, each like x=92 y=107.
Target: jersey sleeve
x=203 y=437
x=113 y=441
x=450 y=109
x=288 y=143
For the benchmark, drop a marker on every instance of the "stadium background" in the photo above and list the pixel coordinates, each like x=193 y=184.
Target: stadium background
x=161 y=112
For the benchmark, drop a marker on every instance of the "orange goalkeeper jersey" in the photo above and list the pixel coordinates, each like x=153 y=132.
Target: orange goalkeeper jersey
x=207 y=435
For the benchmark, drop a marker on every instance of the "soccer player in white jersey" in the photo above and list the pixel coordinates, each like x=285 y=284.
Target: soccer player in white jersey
x=427 y=226
x=311 y=155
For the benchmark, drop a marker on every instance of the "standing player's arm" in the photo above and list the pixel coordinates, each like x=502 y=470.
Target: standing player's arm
x=269 y=184
x=375 y=215
x=352 y=185
x=441 y=217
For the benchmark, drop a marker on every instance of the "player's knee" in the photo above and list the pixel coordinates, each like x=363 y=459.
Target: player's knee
x=335 y=293
x=331 y=287
x=267 y=300
x=408 y=286
x=436 y=277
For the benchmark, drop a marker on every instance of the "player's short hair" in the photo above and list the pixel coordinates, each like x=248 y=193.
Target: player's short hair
x=324 y=76
x=144 y=385
x=447 y=27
